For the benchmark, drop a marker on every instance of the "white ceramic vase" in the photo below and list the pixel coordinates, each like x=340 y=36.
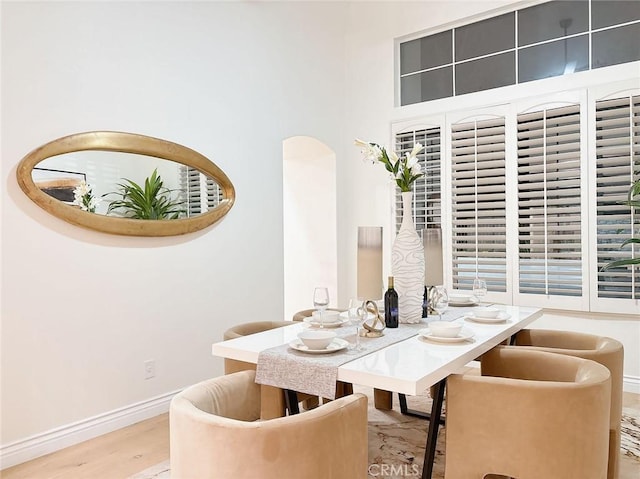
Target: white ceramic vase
x=407 y=265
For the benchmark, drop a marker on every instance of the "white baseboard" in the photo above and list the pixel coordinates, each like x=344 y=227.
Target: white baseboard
x=65 y=436
x=631 y=384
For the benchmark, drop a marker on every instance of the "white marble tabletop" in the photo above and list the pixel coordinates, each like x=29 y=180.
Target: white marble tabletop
x=407 y=367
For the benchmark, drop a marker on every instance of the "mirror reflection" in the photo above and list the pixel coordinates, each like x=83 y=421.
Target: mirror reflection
x=127 y=185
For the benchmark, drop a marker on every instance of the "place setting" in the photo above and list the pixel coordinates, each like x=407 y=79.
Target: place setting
x=487 y=316
x=327 y=319
x=446 y=332
x=318 y=341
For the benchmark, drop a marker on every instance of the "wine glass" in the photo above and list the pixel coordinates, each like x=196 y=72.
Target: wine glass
x=441 y=301
x=479 y=288
x=357 y=315
x=321 y=301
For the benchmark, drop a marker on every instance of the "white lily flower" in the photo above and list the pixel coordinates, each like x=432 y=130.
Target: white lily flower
x=417 y=148
x=411 y=161
x=393 y=156
x=416 y=169
x=361 y=144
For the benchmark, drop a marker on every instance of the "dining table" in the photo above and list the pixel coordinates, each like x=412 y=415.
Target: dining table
x=409 y=365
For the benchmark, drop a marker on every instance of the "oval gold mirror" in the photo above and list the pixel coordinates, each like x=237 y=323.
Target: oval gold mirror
x=152 y=187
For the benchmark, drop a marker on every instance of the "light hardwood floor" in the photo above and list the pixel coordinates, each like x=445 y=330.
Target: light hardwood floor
x=116 y=455
x=124 y=452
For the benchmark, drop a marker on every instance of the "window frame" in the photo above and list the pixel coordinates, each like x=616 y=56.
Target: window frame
x=557 y=92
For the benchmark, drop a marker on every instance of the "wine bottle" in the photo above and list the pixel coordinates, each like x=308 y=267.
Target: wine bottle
x=391 y=306
x=425 y=303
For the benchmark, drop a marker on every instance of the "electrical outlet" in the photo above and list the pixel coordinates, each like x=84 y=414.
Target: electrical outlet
x=149 y=369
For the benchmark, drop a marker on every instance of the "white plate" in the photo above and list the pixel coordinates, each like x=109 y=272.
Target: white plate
x=333 y=324
x=464 y=335
x=338 y=344
x=457 y=299
x=501 y=318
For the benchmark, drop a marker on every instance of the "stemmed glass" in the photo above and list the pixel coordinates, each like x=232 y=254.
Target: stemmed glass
x=357 y=315
x=479 y=288
x=321 y=301
x=441 y=300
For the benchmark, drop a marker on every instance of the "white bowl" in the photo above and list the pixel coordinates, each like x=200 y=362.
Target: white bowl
x=489 y=313
x=327 y=316
x=316 y=339
x=462 y=298
x=444 y=329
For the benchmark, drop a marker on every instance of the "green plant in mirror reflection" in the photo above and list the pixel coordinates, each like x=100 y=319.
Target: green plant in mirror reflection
x=152 y=202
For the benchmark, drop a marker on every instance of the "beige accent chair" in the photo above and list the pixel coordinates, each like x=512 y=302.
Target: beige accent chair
x=305 y=313
x=245 y=329
x=529 y=415
x=215 y=433
x=604 y=350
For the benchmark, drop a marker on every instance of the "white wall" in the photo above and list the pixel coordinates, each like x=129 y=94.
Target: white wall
x=309 y=223
x=81 y=310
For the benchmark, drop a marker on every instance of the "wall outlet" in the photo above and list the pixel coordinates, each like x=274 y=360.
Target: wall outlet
x=150 y=369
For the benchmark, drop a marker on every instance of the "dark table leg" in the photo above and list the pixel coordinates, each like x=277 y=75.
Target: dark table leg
x=413 y=412
x=432 y=434
x=291 y=402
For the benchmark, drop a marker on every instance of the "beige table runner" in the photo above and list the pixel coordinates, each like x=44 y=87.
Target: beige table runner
x=287 y=368
x=316 y=374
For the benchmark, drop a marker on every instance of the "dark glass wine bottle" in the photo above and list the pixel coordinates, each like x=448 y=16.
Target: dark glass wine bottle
x=425 y=303
x=391 y=306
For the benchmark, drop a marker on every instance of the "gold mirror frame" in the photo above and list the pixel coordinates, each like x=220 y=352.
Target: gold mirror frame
x=125 y=143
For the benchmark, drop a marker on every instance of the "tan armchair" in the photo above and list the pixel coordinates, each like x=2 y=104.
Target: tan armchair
x=529 y=415
x=214 y=433
x=604 y=350
x=305 y=313
x=244 y=329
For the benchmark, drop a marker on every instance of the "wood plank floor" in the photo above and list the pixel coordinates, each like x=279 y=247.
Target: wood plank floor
x=124 y=452
x=116 y=455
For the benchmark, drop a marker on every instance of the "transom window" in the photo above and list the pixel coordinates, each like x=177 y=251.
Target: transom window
x=545 y=40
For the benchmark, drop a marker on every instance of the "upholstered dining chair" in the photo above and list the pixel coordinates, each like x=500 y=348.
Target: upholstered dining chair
x=244 y=329
x=215 y=433
x=528 y=415
x=604 y=350
x=305 y=313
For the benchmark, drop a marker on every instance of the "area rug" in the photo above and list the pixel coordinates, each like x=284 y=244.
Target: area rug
x=396 y=444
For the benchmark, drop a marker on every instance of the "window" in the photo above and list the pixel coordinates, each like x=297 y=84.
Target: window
x=478 y=203
x=200 y=193
x=617 y=145
x=549 y=39
x=534 y=197
x=549 y=202
x=426 y=189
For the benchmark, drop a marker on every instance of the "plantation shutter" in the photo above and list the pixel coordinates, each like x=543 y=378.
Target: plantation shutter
x=549 y=202
x=617 y=167
x=200 y=193
x=478 y=195
x=426 y=189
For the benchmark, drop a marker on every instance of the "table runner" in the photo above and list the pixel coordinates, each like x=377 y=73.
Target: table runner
x=316 y=374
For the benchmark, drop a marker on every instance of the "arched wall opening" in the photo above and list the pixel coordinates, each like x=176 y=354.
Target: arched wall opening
x=309 y=222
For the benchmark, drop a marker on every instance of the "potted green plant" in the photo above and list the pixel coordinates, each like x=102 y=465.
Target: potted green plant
x=633 y=200
x=152 y=202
